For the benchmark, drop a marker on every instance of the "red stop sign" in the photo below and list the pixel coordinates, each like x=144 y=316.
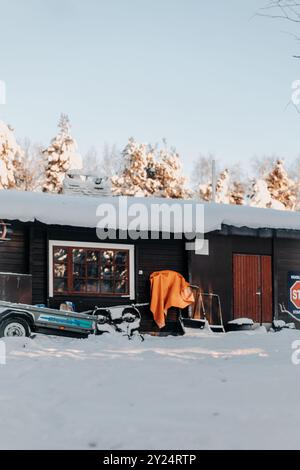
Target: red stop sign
x=295 y=294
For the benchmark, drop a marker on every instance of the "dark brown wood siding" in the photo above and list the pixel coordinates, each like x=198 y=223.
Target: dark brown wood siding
x=214 y=273
x=150 y=255
x=27 y=253
x=14 y=253
x=157 y=255
x=38 y=264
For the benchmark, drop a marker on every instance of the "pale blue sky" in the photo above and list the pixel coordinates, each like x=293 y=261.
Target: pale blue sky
x=201 y=73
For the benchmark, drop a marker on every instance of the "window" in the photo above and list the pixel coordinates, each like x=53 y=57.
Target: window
x=91 y=269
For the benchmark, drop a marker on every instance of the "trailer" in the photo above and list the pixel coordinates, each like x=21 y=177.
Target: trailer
x=22 y=320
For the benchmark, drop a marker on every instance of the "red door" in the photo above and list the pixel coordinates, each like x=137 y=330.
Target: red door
x=252 y=287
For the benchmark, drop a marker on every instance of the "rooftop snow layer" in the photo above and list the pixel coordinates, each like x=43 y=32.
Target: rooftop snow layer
x=81 y=211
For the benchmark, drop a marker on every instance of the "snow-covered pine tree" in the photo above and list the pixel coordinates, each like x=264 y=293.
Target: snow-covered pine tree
x=149 y=172
x=229 y=189
x=281 y=187
x=222 y=187
x=61 y=157
x=237 y=193
x=132 y=179
x=205 y=192
x=260 y=196
x=169 y=174
x=11 y=156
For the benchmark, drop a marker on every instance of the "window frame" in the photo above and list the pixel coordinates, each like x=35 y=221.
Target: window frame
x=91 y=245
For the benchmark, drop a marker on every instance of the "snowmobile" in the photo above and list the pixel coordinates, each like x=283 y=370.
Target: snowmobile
x=120 y=319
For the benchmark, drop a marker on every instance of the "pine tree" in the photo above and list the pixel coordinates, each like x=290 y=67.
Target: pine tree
x=205 y=192
x=169 y=173
x=237 y=193
x=222 y=187
x=260 y=196
x=11 y=156
x=132 y=179
x=61 y=157
x=148 y=172
x=281 y=187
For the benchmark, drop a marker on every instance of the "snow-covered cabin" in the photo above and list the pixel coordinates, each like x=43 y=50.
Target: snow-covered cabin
x=249 y=256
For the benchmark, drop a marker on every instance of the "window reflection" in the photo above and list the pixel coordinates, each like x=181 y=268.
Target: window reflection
x=91 y=271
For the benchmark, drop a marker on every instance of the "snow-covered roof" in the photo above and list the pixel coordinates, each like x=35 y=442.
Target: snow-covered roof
x=81 y=211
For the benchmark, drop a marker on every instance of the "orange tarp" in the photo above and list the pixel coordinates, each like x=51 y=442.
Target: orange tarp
x=168 y=289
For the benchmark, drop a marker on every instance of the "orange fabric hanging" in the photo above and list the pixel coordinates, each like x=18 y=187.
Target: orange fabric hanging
x=168 y=289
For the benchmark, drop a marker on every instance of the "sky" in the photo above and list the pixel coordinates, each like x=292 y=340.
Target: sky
x=208 y=76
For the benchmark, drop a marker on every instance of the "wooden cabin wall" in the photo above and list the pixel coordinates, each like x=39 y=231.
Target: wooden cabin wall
x=157 y=255
x=14 y=252
x=27 y=253
x=286 y=258
x=150 y=255
x=38 y=263
x=213 y=272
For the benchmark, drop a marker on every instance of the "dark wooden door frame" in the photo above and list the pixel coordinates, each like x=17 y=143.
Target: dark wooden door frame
x=260 y=299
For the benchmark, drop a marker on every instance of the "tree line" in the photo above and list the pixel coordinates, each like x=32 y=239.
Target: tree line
x=145 y=170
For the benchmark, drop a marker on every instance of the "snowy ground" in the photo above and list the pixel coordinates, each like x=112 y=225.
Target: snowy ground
x=229 y=391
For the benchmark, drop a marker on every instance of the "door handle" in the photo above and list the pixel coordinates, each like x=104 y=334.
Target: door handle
x=258 y=293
